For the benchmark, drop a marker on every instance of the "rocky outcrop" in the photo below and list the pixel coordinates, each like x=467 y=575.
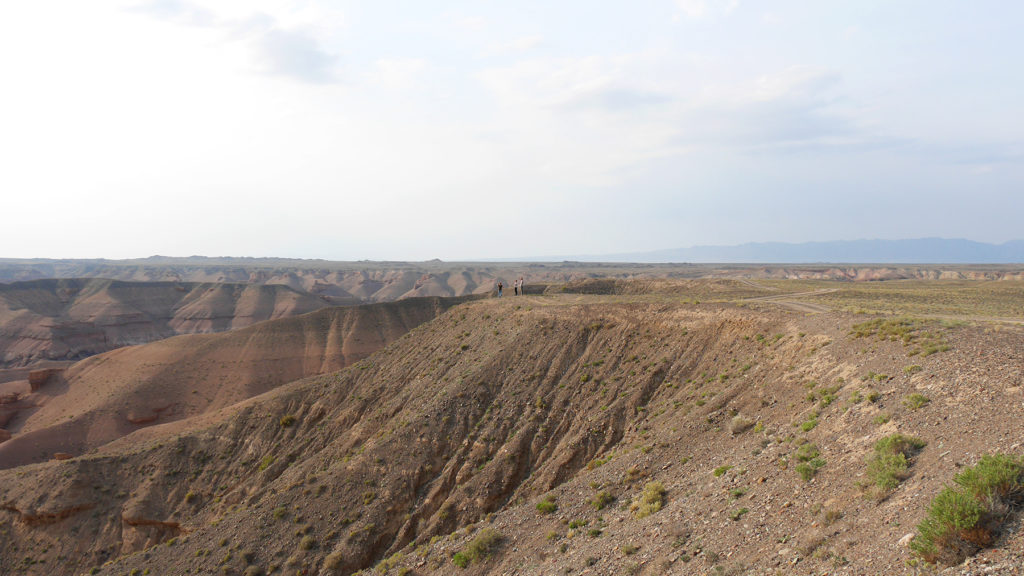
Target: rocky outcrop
x=43 y=517
x=39 y=378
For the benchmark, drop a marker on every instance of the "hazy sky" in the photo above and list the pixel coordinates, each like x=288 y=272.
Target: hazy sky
x=457 y=130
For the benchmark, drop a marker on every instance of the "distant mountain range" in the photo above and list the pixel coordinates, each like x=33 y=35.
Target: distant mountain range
x=914 y=251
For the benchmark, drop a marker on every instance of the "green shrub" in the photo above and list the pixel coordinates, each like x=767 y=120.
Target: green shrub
x=737 y=514
x=718 y=472
x=808 y=470
x=602 y=499
x=993 y=479
x=479 y=549
x=915 y=401
x=287 y=421
x=888 y=465
x=808 y=456
x=547 y=505
x=965 y=518
x=649 y=501
x=807 y=452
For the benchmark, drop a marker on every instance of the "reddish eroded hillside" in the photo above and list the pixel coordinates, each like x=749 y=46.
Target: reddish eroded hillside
x=113 y=394
x=75 y=318
x=582 y=404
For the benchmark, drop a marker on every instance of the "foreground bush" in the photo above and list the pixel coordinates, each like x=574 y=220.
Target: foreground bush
x=965 y=518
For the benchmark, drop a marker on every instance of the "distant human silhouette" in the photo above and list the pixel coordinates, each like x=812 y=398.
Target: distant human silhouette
x=500 y=286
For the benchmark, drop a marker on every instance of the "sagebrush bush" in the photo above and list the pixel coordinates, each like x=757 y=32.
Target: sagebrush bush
x=547 y=505
x=739 y=425
x=966 y=517
x=602 y=499
x=649 y=501
x=889 y=464
x=916 y=401
x=479 y=549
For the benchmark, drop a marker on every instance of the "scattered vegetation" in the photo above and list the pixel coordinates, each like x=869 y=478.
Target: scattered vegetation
x=598 y=462
x=966 y=517
x=287 y=421
x=920 y=336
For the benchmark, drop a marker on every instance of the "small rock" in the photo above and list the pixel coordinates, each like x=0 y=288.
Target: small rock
x=905 y=541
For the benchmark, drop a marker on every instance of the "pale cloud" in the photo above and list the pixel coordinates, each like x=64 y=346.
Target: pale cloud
x=792 y=106
x=698 y=9
x=559 y=82
x=517 y=46
x=469 y=23
x=280 y=41
x=713 y=128
x=398 y=73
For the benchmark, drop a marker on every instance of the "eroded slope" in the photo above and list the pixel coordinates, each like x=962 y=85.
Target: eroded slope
x=75 y=318
x=113 y=394
x=466 y=423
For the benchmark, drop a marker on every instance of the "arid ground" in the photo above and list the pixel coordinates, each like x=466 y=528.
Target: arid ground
x=634 y=424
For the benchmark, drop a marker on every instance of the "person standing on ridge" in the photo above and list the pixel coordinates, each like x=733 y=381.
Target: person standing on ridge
x=499 y=288
x=515 y=287
x=522 y=288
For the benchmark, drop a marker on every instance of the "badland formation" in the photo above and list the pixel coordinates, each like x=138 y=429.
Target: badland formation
x=245 y=416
